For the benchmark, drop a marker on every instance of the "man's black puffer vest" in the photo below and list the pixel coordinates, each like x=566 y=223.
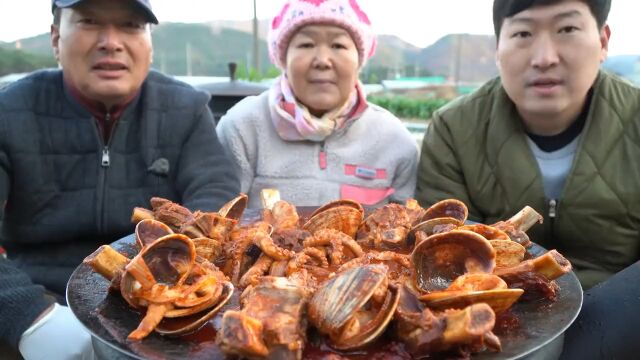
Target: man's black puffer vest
x=67 y=192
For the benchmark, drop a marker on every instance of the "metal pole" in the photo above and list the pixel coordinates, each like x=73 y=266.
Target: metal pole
x=188 y=58
x=458 y=59
x=256 y=44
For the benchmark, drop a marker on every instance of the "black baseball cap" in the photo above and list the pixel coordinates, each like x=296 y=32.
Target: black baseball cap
x=145 y=6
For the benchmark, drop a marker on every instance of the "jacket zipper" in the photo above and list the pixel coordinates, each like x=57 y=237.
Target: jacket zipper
x=322 y=156
x=553 y=213
x=105 y=157
x=105 y=149
x=105 y=163
x=553 y=209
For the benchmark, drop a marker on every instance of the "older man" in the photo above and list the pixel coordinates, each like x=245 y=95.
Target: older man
x=82 y=146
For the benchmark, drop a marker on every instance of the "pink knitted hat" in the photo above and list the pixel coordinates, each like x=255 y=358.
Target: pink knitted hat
x=298 y=13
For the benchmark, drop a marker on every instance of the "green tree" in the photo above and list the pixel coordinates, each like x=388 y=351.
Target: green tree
x=254 y=75
x=408 y=108
x=272 y=72
x=17 y=61
x=241 y=71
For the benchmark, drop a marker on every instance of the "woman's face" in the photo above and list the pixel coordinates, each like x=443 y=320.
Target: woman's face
x=322 y=67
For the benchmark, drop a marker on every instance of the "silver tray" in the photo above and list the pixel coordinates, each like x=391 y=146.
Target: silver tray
x=110 y=319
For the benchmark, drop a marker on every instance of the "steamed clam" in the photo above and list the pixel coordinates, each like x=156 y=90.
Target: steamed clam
x=449 y=208
x=442 y=216
x=149 y=230
x=488 y=232
x=234 y=208
x=166 y=279
x=432 y=226
x=441 y=258
x=508 y=252
x=341 y=215
x=354 y=307
x=347 y=275
x=151 y=279
x=474 y=289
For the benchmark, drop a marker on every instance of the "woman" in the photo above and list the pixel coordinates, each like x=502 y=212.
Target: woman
x=313 y=136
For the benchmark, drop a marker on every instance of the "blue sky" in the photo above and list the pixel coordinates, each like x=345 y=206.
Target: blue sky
x=420 y=22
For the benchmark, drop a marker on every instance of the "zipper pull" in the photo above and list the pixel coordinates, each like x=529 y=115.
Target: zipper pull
x=323 y=157
x=105 y=157
x=552 y=208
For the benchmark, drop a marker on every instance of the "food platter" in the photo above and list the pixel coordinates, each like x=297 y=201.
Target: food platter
x=525 y=329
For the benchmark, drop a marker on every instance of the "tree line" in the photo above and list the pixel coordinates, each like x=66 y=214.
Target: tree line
x=17 y=61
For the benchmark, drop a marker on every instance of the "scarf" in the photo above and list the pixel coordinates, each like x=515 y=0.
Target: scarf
x=294 y=122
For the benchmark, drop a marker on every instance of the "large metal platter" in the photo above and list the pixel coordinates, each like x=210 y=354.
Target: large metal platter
x=110 y=319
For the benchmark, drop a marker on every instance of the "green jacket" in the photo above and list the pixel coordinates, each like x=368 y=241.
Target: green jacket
x=475 y=150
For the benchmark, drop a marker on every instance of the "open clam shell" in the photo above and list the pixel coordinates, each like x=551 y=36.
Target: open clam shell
x=472 y=289
x=477 y=282
x=432 y=226
x=441 y=258
x=499 y=299
x=147 y=231
x=234 y=208
x=344 y=202
x=447 y=208
x=166 y=261
x=489 y=232
x=340 y=215
x=340 y=298
x=201 y=317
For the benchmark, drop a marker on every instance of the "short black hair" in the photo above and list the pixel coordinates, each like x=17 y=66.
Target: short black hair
x=506 y=8
x=56 y=16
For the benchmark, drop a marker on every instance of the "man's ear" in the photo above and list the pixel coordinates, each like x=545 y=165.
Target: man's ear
x=55 y=39
x=605 y=35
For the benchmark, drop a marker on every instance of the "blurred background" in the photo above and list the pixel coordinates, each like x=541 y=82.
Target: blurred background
x=429 y=52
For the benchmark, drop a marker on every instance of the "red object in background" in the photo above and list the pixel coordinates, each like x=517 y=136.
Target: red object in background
x=3 y=252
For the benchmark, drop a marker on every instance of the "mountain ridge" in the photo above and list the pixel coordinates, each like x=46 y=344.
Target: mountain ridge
x=207 y=46
x=203 y=49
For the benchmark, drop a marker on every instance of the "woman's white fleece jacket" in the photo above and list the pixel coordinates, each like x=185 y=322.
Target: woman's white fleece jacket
x=373 y=160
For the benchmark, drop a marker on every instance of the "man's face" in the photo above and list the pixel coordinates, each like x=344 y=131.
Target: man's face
x=104 y=48
x=548 y=58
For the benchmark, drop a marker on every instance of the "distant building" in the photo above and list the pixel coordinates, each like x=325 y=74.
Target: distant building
x=435 y=87
x=408 y=83
x=200 y=80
